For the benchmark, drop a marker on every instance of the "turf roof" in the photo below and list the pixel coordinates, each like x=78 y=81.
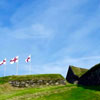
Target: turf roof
x=78 y=71
x=31 y=77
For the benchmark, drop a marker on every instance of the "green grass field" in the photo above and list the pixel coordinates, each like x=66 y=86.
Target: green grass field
x=68 y=92
x=64 y=92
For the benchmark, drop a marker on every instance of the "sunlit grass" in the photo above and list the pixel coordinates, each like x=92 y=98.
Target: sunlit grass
x=67 y=92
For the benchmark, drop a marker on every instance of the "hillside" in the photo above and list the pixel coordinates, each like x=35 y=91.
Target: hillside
x=67 y=92
x=31 y=77
x=33 y=80
x=46 y=92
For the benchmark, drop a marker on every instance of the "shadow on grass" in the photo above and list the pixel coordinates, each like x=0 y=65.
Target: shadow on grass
x=96 y=88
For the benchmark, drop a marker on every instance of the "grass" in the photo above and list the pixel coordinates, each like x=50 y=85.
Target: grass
x=67 y=92
x=64 y=92
x=31 y=77
x=78 y=71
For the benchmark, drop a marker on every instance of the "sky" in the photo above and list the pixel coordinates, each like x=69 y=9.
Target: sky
x=57 y=33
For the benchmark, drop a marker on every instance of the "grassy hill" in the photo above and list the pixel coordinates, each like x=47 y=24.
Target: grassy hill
x=29 y=77
x=61 y=92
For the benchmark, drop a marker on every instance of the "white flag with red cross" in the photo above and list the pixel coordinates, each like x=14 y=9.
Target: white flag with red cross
x=28 y=59
x=3 y=62
x=14 y=60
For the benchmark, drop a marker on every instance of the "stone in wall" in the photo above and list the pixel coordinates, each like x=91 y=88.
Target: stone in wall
x=33 y=83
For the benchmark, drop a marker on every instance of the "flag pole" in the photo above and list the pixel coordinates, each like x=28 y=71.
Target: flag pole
x=5 y=70
x=16 y=68
x=31 y=64
x=30 y=68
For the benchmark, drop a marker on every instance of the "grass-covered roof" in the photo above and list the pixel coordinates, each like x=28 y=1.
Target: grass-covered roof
x=94 y=68
x=78 y=71
x=31 y=77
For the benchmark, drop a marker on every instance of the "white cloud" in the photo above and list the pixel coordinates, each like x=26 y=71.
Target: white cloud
x=33 y=31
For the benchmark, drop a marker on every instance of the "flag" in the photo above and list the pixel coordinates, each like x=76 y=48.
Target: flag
x=3 y=62
x=14 y=60
x=28 y=59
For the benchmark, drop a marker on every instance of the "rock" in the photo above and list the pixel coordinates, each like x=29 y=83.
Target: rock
x=10 y=82
x=26 y=85
x=56 y=83
x=33 y=83
x=75 y=82
x=47 y=83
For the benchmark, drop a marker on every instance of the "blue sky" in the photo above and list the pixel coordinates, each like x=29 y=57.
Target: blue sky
x=57 y=33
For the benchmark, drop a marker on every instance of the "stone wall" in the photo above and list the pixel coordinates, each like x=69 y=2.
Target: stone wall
x=34 y=83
